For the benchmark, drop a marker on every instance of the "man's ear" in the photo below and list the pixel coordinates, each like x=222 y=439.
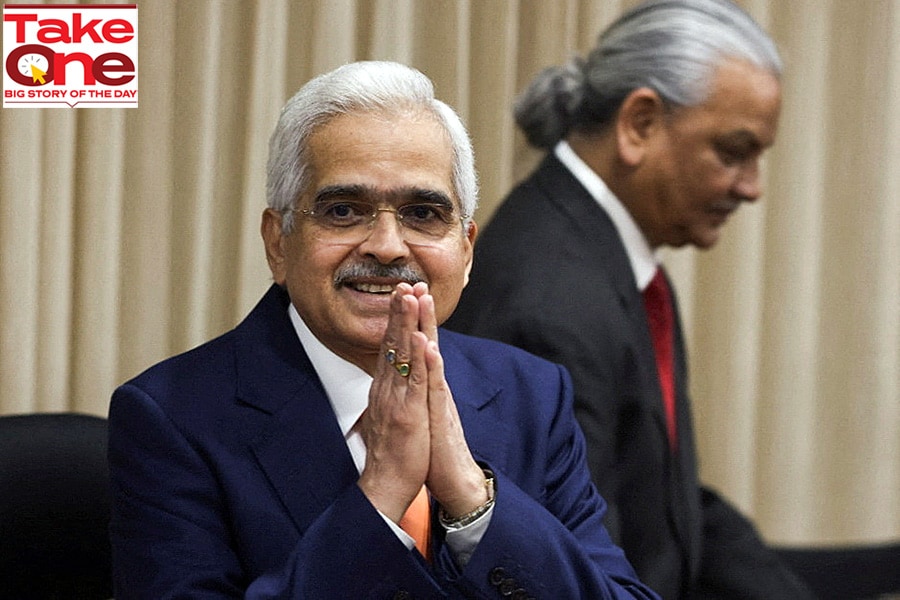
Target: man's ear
x=640 y=117
x=471 y=234
x=273 y=239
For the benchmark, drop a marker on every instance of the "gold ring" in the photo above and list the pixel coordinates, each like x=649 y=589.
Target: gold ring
x=402 y=367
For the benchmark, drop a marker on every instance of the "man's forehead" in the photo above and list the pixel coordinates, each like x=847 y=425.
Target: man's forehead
x=743 y=106
x=393 y=157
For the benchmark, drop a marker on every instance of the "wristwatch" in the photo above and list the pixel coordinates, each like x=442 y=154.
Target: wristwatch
x=471 y=517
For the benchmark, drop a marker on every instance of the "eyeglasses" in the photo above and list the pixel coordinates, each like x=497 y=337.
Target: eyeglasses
x=351 y=221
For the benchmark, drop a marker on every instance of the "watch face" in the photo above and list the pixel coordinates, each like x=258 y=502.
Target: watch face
x=34 y=66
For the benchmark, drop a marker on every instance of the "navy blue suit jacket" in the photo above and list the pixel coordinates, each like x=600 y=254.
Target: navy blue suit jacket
x=231 y=479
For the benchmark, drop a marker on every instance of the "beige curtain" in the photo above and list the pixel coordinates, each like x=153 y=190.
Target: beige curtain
x=129 y=235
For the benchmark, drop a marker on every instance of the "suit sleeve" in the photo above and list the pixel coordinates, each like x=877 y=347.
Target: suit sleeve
x=171 y=536
x=736 y=562
x=555 y=546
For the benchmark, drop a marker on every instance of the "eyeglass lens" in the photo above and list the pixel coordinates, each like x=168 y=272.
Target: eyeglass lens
x=352 y=220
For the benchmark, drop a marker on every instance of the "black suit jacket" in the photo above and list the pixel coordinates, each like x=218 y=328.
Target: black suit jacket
x=551 y=275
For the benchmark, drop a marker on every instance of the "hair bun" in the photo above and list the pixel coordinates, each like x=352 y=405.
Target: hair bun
x=544 y=111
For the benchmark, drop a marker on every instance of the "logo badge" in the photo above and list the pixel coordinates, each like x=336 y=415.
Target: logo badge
x=70 y=55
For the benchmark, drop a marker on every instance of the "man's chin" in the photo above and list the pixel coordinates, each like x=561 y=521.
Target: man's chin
x=706 y=239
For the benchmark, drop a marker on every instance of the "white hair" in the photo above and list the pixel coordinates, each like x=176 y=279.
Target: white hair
x=670 y=46
x=365 y=86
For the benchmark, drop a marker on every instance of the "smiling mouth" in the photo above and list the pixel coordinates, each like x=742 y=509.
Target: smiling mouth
x=375 y=278
x=370 y=288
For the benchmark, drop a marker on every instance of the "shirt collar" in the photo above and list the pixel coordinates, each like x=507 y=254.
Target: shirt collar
x=642 y=258
x=346 y=385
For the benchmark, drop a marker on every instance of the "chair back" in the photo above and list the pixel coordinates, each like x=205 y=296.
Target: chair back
x=54 y=507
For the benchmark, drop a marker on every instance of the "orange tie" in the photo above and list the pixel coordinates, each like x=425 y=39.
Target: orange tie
x=417 y=522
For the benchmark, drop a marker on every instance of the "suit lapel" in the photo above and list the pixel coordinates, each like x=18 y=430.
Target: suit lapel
x=303 y=445
x=596 y=234
x=301 y=440
x=472 y=393
x=588 y=224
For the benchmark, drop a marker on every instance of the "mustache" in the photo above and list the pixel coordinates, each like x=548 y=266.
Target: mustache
x=365 y=270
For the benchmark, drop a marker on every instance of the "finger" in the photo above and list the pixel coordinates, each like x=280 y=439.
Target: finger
x=441 y=409
x=402 y=322
x=435 y=365
x=427 y=319
x=418 y=386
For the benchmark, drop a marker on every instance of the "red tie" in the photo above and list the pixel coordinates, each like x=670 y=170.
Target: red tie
x=417 y=521
x=658 y=303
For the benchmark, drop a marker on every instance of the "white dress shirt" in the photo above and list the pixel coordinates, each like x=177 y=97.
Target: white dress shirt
x=347 y=387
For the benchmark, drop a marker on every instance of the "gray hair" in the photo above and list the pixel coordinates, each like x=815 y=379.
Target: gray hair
x=383 y=87
x=670 y=46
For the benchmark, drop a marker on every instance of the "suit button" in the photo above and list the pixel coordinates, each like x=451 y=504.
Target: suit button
x=402 y=595
x=507 y=587
x=496 y=576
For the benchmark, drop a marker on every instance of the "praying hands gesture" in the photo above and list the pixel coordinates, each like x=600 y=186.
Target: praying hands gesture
x=411 y=427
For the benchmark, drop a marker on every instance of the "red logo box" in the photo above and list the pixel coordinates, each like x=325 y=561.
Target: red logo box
x=70 y=55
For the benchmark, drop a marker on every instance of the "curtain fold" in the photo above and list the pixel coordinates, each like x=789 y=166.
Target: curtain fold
x=129 y=235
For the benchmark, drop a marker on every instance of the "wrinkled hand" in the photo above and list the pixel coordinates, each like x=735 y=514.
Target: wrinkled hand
x=411 y=427
x=394 y=427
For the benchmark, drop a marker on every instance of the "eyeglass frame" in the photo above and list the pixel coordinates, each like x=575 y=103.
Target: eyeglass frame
x=380 y=207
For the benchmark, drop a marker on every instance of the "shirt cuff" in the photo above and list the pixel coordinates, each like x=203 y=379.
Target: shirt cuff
x=462 y=541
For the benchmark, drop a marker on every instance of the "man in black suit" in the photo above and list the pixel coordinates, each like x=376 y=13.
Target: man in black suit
x=654 y=139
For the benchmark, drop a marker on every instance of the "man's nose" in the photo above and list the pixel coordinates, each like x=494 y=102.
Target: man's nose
x=385 y=239
x=747 y=186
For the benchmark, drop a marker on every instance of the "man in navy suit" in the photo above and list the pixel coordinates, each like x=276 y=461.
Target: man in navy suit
x=285 y=458
x=653 y=140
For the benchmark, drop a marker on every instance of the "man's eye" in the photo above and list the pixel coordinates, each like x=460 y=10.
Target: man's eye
x=423 y=213
x=732 y=156
x=341 y=210
x=342 y=213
